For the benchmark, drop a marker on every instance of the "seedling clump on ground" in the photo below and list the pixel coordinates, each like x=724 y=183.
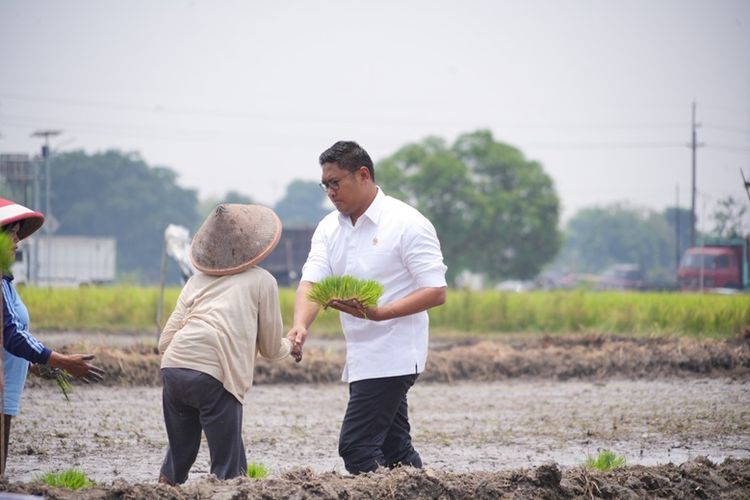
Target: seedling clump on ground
x=71 y=479
x=360 y=293
x=256 y=471
x=605 y=461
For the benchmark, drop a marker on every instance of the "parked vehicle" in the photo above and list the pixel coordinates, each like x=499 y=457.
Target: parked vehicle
x=66 y=261
x=622 y=277
x=718 y=263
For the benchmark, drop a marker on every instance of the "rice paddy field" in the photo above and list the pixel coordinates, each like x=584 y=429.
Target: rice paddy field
x=465 y=312
x=519 y=392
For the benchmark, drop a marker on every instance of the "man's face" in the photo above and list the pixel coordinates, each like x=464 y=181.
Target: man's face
x=344 y=188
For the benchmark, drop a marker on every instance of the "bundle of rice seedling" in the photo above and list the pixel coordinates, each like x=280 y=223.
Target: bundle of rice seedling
x=61 y=377
x=348 y=289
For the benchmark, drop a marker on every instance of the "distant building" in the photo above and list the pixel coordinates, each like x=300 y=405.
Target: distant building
x=17 y=178
x=287 y=259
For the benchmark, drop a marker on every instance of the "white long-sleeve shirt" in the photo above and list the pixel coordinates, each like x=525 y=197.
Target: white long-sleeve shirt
x=397 y=246
x=219 y=325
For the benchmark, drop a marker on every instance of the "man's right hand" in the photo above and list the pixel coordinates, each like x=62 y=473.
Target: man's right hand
x=297 y=337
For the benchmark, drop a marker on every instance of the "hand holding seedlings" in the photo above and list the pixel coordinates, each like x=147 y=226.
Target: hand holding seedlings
x=348 y=294
x=353 y=307
x=60 y=376
x=76 y=365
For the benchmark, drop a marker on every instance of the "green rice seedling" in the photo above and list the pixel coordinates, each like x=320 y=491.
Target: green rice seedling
x=362 y=293
x=60 y=376
x=63 y=379
x=605 y=461
x=256 y=471
x=71 y=479
x=6 y=253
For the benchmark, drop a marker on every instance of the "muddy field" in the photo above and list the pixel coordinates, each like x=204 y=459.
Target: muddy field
x=515 y=417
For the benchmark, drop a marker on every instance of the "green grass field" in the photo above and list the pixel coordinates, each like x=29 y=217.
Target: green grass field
x=465 y=313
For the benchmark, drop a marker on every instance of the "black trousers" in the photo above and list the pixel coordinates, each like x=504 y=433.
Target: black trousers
x=193 y=402
x=375 y=431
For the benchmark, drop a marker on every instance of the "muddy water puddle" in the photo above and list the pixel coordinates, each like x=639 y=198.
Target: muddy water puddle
x=117 y=432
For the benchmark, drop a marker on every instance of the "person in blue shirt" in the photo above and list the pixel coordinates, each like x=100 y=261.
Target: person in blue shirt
x=19 y=346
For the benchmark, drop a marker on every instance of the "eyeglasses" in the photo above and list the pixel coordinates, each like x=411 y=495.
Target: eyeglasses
x=333 y=184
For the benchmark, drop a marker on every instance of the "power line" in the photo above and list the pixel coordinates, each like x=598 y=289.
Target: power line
x=728 y=147
x=606 y=145
x=168 y=110
x=728 y=129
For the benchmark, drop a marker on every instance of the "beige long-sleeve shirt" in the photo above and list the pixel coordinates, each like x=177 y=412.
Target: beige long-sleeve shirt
x=220 y=324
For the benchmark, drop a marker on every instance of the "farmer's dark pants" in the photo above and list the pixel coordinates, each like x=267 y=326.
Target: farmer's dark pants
x=375 y=431
x=194 y=401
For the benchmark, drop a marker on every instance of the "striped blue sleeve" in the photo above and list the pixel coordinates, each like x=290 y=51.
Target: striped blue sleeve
x=16 y=338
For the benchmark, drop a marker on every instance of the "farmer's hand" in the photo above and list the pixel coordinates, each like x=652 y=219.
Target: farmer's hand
x=297 y=336
x=43 y=371
x=296 y=352
x=76 y=365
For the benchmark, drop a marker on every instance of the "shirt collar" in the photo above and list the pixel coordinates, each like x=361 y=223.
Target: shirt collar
x=373 y=211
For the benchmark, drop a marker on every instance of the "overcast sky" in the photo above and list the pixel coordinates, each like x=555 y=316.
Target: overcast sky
x=245 y=95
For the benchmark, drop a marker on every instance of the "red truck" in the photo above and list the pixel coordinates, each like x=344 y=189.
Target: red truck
x=720 y=263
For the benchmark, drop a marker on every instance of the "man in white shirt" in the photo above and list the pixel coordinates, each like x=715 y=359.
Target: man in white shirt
x=373 y=236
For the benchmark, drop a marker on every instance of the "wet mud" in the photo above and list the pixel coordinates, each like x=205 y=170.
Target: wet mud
x=592 y=357
x=513 y=418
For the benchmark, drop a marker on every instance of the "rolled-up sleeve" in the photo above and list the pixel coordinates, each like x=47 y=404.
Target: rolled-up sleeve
x=271 y=343
x=422 y=254
x=317 y=267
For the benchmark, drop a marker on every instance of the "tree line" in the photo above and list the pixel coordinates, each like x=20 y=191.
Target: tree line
x=496 y=212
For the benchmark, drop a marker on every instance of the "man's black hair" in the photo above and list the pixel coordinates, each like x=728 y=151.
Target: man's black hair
x=348 y=155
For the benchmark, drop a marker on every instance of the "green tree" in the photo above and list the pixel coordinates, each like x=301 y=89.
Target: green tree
x=729 y=218
x=598 y=237
x=302 y=204
x=118 y=194
x=495 y=212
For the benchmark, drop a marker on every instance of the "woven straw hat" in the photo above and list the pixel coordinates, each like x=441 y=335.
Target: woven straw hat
x=235 y=237
x=10 y=212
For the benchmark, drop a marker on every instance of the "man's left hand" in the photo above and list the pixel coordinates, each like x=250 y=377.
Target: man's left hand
x=356 y=309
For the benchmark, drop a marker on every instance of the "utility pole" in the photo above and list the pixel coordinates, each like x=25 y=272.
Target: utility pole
x=694 y=147
x=677 y=249
x=47 y=195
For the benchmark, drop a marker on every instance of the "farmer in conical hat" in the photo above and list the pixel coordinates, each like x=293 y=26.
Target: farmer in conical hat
x=226 y=314
x=20 y=346
x=372 y=236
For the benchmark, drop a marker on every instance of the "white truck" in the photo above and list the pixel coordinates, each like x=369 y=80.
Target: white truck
x=66 y=260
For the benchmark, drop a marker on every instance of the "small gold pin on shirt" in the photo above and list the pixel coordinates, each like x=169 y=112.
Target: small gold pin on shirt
x=375 y=240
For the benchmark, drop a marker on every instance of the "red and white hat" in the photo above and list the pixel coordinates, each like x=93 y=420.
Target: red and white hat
x=10 y=212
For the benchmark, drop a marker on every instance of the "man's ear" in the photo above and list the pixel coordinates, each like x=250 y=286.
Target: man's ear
x=364 y=172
